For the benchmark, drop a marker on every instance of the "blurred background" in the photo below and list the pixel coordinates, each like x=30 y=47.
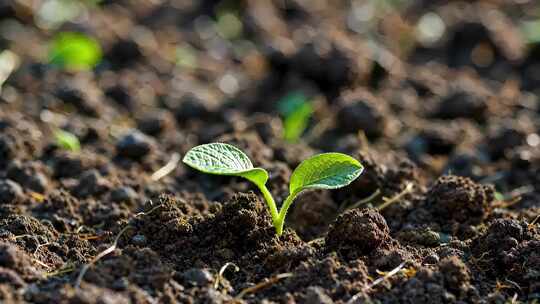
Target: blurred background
x=397 y=72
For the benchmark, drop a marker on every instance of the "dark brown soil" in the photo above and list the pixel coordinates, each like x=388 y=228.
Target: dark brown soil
x=446 y=211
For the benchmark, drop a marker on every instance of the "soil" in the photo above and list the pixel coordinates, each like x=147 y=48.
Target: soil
x=446 y=211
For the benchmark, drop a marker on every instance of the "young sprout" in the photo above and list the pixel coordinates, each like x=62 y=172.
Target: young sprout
x=67 y=140
x=296 y=123
x=75 y=51
x=322 y=171
x=297 y=111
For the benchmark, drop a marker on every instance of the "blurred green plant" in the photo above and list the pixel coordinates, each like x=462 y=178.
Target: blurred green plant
x=499 y=196
x=186 y=56
x=296 y=111
x=228 y=25
x=296 y=123
x=531 y=31
x=67 y=140
x=75 y=51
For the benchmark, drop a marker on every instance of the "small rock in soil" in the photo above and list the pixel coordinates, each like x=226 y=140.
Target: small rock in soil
x=361 y=111
x=331 y=67
x=439 y=141
x=190 y=107
x=123 y=194
x=134 y=145
x=123 y=53
x=28 y=175
x=460 y=199
x=462 y=104
x=456 y=274
x=197 y=276
x=155 y=123
x=10 y=192
x=67 y=165
x=72 y=95
x=362 y=230
x=91 y=183
x=422 y=236
x=7 y=150
x=504 y=140
x=120 y=95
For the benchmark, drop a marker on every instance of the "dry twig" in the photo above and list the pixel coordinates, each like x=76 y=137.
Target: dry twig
x=387 y=202
x=273 y=280
x=99 y=256
x=220 y=277
x=168 y=168
x=377 y=282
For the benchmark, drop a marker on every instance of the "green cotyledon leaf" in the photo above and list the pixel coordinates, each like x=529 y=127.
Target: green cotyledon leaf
x=325 y=171
x=67 y=140
x=224 y=159
x=75 y=51
x=296 y=122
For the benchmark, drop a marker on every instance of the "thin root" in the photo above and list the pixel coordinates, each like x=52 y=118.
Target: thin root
x=168 y=168
x=105 y=252
x=514 y=298
x=377 y=282
x=41 y=263
x=514 y=283
x=149 y=211
x=38 y=247
x=60 y=272
x=387 y=202
x=508 y=203
x=220 y=277
x=365 y=200
x=262 y=285
x=315 y=240
x=534 y=222
x=99 y=256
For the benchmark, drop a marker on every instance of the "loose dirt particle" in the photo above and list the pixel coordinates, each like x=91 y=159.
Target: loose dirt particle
x=361 y=230
x=460 y=199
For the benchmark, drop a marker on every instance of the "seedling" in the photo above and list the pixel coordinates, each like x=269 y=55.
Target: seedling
x=296 y=123
x=322 y=171
x=67 y=140
x=75 y=51
x=297 y=111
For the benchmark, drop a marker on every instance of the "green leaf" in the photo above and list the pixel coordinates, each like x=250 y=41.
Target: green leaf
x=67 y=140
x=296 y=111
x=291 y=102
x=224 y=159
x=296 y=123
x=325 y=171
x=531 y=31
x=499 y=196
x=75 y=51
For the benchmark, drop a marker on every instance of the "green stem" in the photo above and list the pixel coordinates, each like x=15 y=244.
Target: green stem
x=283 y=212
x=270 y=202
